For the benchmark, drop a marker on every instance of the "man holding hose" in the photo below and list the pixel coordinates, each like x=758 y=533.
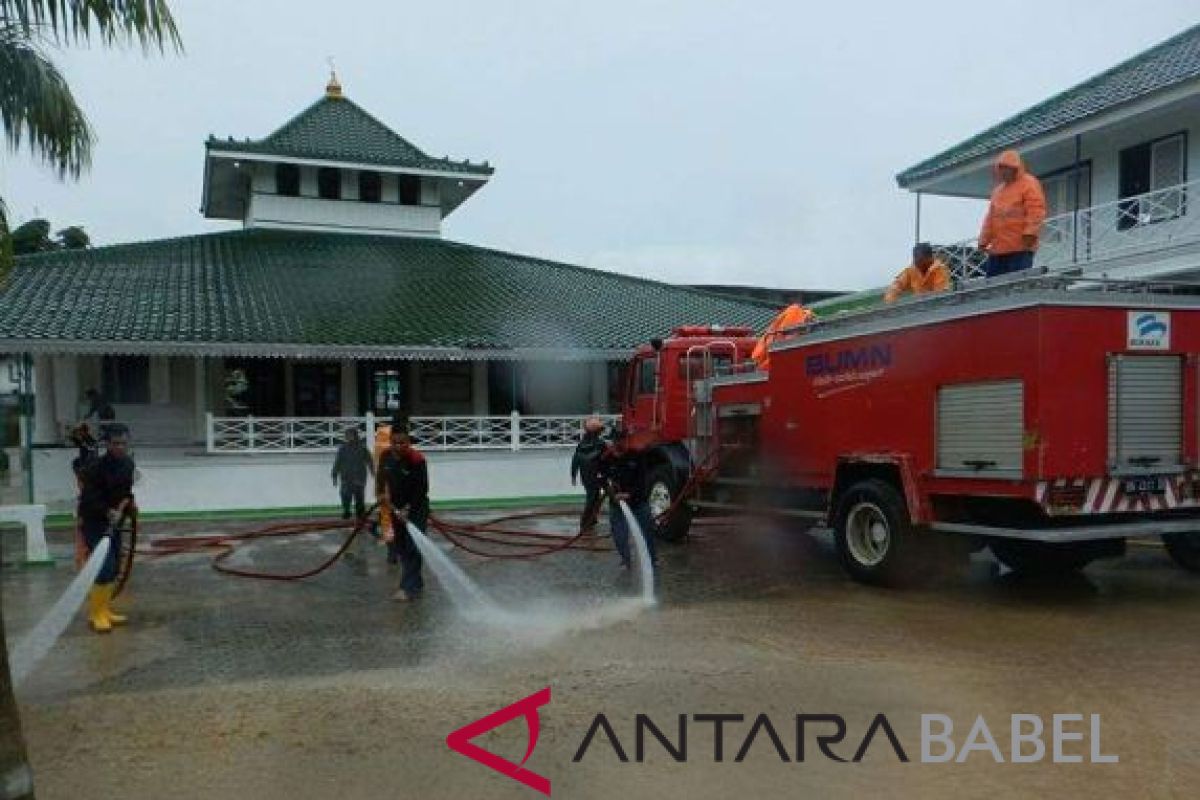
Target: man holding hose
x=402 y=485
x=105 y=497
x=624 y=468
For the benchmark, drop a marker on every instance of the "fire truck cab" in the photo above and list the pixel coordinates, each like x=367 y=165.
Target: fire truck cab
x=658 y=408
x=1047 y=418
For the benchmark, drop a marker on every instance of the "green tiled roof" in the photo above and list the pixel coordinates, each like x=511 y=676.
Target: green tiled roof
x=1168 y=64
x=337 y=129
x=270 y=292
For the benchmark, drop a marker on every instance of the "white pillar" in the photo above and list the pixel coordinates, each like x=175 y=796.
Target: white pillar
x=45 y=430
x=66 y=391
x=599 y=395
x=349 y=387
x=479 y=388
x=199 y=398
x=160 y=380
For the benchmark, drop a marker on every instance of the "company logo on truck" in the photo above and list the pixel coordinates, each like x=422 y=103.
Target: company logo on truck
x=858 y=358
x=1149 y=330
x=851 y=368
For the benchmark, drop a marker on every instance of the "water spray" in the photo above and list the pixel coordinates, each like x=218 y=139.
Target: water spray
x=37 y=643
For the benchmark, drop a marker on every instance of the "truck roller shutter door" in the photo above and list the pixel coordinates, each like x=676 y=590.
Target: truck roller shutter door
x=980 y=427
x=1145 y=413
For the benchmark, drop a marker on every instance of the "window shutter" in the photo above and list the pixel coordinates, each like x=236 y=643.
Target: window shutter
x=1166 y=178
x=1166 y=163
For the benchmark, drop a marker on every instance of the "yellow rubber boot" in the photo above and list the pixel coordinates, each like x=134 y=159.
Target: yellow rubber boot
x=113 y=617
x=96 y=616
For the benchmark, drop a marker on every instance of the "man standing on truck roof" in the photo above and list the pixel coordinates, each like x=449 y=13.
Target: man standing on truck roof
x=792 y=316
x=924 y=275
x=1014 y=217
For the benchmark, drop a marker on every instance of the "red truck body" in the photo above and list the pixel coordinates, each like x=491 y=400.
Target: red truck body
x=1044 y=417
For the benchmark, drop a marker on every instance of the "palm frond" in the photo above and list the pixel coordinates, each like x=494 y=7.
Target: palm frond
x=6 y=253
x=37 y=107
x=113 y=22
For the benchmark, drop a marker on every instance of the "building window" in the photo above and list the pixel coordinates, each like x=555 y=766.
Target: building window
x=618 y=374
x=317 y=390
x=506 y=387
x=287 y=180
x=446 y=382
x=410 y=190
x=255 y=386
x=125 y=379
x=370 y=187
x=1060 y=190
x=329 y=183
x=1151 y=178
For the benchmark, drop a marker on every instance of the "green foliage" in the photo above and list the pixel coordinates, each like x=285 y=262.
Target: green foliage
x=37 y=108
x=73 y=237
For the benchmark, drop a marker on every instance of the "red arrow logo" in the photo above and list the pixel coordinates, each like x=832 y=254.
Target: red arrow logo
x=460 y=740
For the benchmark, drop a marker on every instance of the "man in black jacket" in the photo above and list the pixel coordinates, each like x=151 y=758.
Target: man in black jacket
x=585 y=467
x=105 y=497
x=625 y=471
x=352 y=465
x=402 y=482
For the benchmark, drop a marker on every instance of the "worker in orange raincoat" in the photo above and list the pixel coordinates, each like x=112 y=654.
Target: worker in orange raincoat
x=792 y=316
x=924 y=275
x=1014 y=217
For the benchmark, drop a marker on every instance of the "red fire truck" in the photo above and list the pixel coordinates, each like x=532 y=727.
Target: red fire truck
x=1049 y=419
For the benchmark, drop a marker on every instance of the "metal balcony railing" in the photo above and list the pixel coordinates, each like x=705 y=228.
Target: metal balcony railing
x=324 y=434
x=1140 y=224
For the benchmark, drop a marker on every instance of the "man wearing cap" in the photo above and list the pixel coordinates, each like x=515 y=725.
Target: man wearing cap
x=924 y=275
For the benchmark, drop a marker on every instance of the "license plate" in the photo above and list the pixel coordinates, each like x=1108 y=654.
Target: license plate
x=1150 y=484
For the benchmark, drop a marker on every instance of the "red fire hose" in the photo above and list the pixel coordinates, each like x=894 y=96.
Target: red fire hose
x=493 y=538
x=494 y=533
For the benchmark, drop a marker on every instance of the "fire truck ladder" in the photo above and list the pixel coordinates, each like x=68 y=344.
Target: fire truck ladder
x=700 y=366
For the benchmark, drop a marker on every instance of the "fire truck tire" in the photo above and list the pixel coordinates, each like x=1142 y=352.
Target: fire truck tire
x=663 y=487
x=1042 y=558
x=1184 y=549
x=875 y=540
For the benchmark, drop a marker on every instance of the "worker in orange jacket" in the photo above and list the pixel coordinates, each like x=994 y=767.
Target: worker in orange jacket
x=924 y=275
x=1014 y=217
x=779 y=329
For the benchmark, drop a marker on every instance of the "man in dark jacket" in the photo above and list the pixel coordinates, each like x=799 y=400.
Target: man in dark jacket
x=402 y=483
x=105 y=497
x=625 y=471
x=352 y=465
x=585 y=466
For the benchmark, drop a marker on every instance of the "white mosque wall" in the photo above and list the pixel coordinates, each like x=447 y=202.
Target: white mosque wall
x=177 y=480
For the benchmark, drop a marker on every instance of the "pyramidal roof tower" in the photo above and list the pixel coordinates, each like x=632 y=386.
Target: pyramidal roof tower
x=335 y=167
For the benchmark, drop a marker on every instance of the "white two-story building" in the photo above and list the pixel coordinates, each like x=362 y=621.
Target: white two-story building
x=1119 y=157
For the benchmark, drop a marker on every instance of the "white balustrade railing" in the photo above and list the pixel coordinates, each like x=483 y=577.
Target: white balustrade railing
x=323 y=434
x=1140 y=224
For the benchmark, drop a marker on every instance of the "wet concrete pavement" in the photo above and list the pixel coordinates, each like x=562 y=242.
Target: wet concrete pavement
x=225 y=687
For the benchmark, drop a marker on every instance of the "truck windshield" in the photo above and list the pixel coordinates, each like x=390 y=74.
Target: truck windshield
x=693 y=365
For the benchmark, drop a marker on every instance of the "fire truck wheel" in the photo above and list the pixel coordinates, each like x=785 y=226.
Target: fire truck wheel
x=873 y=535
x=1042 y=558
x=663 y=488
x=1184 y=549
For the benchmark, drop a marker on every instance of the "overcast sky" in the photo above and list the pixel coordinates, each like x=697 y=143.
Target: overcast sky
x=702 y=141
